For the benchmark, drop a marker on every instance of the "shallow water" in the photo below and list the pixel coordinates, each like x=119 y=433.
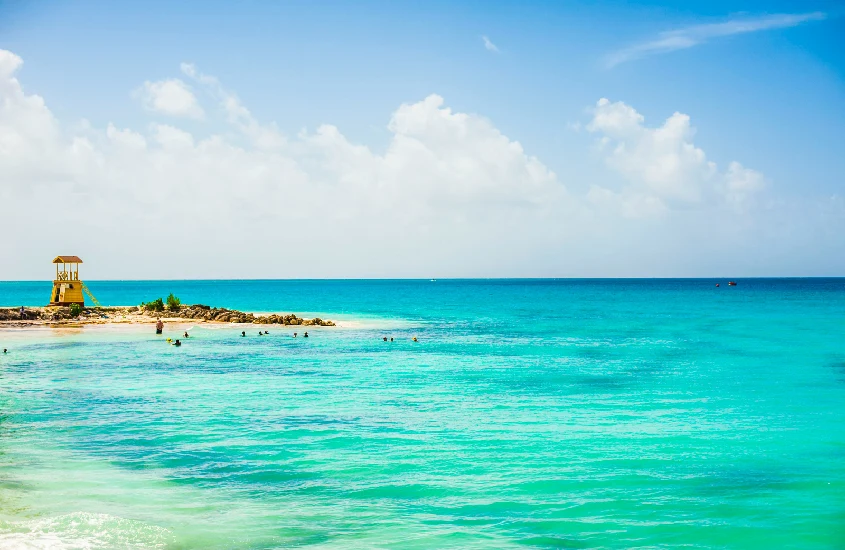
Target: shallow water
x=552 y=414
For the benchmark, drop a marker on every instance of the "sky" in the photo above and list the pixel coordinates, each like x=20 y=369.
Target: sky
x=162 y=140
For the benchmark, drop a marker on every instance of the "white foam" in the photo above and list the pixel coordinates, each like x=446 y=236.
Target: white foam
x=83 y=531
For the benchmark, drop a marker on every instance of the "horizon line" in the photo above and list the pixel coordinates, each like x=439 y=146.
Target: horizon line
x=435 y=279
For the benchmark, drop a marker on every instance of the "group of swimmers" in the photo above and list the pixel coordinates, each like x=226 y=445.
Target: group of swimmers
x=384 y=338
x=260 y=333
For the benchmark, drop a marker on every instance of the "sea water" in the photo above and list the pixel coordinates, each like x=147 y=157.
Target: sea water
x=539 y=413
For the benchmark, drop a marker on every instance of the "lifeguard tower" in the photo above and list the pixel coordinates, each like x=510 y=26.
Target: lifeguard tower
x=67 y=288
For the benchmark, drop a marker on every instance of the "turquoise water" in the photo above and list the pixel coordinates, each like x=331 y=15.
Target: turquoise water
x=530 y=414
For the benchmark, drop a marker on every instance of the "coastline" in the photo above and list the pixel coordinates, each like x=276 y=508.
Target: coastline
x=61 y=317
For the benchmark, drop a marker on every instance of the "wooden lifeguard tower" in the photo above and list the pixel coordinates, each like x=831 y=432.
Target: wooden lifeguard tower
x=67 y=288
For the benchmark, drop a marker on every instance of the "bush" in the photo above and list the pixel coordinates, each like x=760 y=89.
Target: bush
x=173 y=302
x=75 y=310
x=155 y=305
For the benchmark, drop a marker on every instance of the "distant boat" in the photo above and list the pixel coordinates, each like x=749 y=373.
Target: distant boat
x=731 y=283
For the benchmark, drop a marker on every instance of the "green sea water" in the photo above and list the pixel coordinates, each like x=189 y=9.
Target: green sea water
x=529 y=414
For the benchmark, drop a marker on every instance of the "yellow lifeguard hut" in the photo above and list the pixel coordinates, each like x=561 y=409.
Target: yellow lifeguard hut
x=67 y=288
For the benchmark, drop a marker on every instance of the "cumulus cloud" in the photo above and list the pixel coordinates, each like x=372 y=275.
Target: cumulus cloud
x=447 y=195
x=688 y=37
x=171 y=97
x=663 y=164
x=488 y=45
x=446 y=184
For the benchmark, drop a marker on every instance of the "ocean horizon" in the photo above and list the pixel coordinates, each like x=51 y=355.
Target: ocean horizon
x=539 y=413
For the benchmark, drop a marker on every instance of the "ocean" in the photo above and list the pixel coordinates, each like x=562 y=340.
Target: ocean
x=528 y=414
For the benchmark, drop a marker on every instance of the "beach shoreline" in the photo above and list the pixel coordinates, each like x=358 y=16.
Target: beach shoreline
x=62 y=317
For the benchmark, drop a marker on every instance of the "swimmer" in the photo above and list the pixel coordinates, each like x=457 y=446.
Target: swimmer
x=391 y=338
x=266 y=332
x=260 y=333
x=186 y=334
x=294 y=335
x=177 y=343
x=385 y=338
x=305 y=335
x=243 y=333
x=415 y=338
x=5 y=350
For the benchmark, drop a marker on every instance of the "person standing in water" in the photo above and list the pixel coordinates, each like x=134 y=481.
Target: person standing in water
x=159 y=326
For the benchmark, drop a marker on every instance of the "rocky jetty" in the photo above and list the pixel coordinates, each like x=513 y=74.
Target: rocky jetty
x=198 y=312
x=223 y=315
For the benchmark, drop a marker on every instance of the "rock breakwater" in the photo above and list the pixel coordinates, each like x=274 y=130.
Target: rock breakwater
x=135 y=314
x=223 y=315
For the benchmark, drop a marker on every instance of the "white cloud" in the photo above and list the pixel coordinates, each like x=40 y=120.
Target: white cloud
x=688 y=37
x=171 y=97
x=663 y=162
x=448 y=195
x=263 y=136
x=448 y=184
x=489 y=45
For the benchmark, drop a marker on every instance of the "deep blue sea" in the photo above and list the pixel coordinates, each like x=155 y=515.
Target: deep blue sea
x=528 y=414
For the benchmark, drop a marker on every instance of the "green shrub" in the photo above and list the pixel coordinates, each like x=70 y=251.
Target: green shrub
x=75 y=310
x=173 y=302
x=155 y=305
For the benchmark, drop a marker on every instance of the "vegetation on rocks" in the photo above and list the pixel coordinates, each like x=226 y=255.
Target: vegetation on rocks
x=155 y=305
x=173 y=303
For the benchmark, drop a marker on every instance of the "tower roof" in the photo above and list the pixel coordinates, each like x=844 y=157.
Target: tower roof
x=67 y=260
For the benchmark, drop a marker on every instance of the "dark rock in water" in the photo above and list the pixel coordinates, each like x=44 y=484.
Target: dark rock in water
x=223 y=315
x=196 y=311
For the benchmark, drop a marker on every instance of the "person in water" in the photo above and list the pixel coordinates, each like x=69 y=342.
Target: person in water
x=243 y=333
x=391 y=338
x=159 y=326
x=5 y=350
x=415 y=338
x=177 y=343
x=305 y=335
x=294 y=335
x=186 y=334
x=384 y=338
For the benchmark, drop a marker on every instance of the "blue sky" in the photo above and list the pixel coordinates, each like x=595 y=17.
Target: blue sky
x=770 y=98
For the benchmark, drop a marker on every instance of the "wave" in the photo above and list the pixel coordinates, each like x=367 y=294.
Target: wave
x=83 y=531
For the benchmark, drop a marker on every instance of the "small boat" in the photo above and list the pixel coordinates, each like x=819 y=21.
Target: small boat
x=731 y=283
